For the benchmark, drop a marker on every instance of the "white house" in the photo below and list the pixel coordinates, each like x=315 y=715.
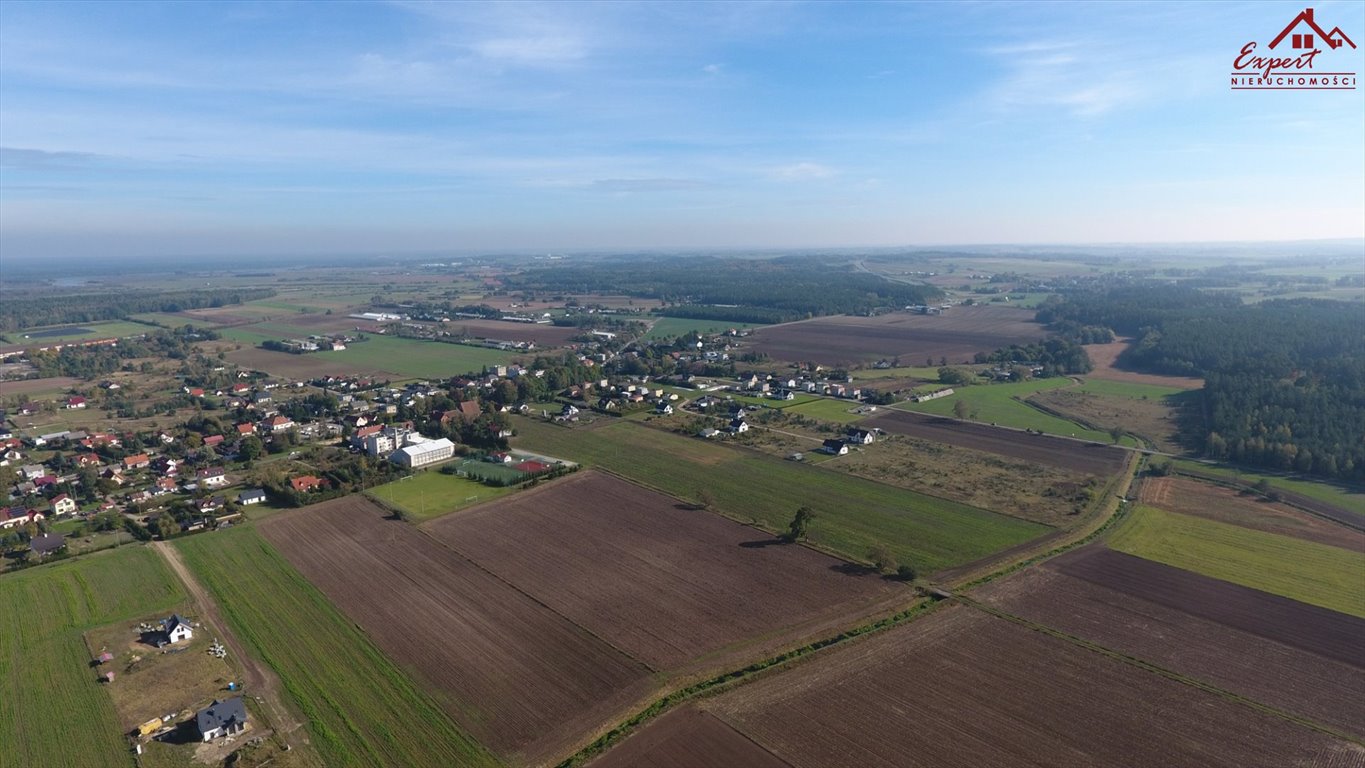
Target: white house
x=251 y=496
x=836 y=447
x=63 y=505
x=861 y=437
x=221 y=718
x=176 y=629
x=212 y=477
x=419 y=452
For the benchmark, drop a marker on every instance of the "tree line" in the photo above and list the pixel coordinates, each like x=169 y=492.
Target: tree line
x=21 y=311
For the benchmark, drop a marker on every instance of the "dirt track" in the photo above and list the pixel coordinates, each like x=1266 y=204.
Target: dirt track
x=261 y=682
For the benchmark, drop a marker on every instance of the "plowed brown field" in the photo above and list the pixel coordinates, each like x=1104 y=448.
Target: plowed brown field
x=663 y=582
x=688 y=738
x=523 y=680
x=1090 y=458
x=958 y=334
x=1214 y=502
x=542 y=335
x=963 y=688
x=1105 y=356
x=1298 y=658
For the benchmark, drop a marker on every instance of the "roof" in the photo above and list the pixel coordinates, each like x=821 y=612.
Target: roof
x=174 y=621
x=254 y=493
x=834 y=444
x=47 y=542
x=221 y=714
x=1306 y=16
x=305 y=482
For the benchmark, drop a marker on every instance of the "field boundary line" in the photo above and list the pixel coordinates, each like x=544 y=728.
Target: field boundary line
x=1239 y=486
x=1157 y=669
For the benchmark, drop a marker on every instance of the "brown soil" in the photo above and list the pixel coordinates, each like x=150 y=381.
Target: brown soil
x=49 y=385
x=261 y=683
x=1076 y=455
x=542 y=335
x=963 y=688
x=1104 y=356
x=662 y=581
x=1213 y=502
x=687 y=738
x=521 y=679
x=958 y=335
x=1209 y=630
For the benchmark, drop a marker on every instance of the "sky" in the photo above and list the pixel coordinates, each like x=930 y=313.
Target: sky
x=183 y=129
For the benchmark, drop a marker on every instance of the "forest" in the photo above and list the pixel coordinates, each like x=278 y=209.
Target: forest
x=19 y=311
x=1284 y=380
x=741 y=290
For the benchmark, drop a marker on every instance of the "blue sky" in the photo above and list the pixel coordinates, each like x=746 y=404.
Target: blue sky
x=202 y=128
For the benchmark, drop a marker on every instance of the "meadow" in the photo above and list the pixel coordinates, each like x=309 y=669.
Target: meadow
x=1317 y=574
x=361 y=708
x=852 y=514
x=52 y=711
x=829 y=409
x=387 y=356
x=428 y=495
x=1003 y=404
x=666 y=327
x=59 y=333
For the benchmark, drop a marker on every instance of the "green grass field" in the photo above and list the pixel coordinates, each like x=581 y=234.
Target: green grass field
x=1319 y=574
x=995 y=403
x=404 y=358
x=853 y=514
x=676 y=326
x=828 y=409
x=81 y=331
x=1322 y=490
x=52 y=712
x=927 y=374
x=361 y=709
x=427 y=495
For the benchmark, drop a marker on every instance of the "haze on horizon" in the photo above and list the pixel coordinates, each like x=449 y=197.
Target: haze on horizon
x=136 y=130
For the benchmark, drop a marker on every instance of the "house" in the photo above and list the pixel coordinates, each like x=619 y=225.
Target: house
x=861 y=437
x=306 y=483
x=87 y=460
x=64 y=505
x=499 y=457
x=213 y=441
x=194 y=391
x=246 y=429
x=251 y=496
x=176 y=629
x=138 y=461
x=212 y=477
x=210 y=504
x=708 y=433
x=75 y=402
x=166 y=485
x=221 y=718
x=261 y=398
x=664 y=408
x=1304 y=40
x=17 y=516
x=32 y=471
x=280 y=424
x=738 y=425
x=835 y=447
x=47 y=544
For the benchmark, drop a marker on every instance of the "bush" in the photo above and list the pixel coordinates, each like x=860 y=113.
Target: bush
x=906 y=572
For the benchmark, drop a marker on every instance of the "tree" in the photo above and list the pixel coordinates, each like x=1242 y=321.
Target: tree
x=906 y=572
x=250 y=449
x=961 y=409
x=1116 y=434
x=882 y=558
x=800 y=524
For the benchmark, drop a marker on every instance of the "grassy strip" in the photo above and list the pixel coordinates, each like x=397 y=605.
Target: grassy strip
x=714 y=684
x=1162 y=671
x=361 y=709
x=52 y=712
x=1004 y=404
x=430 y=494
x=853 y=514
x=1313 y=573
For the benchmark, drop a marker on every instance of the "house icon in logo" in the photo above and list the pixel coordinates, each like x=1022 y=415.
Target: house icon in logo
x=1303 y=37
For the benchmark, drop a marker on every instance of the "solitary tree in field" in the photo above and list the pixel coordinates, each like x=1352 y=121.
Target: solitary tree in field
x=800 y=524
x=705 y=500
x=906 y=572
x=1116 y=434
x=882 y=559
x=961 y=409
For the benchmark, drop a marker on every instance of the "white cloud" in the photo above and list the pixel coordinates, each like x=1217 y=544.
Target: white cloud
x=803 y=171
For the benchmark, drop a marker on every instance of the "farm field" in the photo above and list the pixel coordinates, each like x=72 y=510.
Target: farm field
x=542 y=335
x=1214 y=502
x=522 y=680
x=687 y=738
x=958 y=335
x=359 y=705
x=1031 y=490
x=853 y=514
x=830 y=409
x=661 y=581
x=1104 y=358
x=1008 y=695
x=1004 y=404
x=1293 y=656
x=113 y=329
x=1058 y=452
x=381 y=356
x=427 y=495
x=1152 y=417
x=1326 y=498
x=46 y=682
x=666 y=327
x=49 y=387
x=1313 y=573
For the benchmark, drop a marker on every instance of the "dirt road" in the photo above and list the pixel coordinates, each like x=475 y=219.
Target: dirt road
x=260 y=681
